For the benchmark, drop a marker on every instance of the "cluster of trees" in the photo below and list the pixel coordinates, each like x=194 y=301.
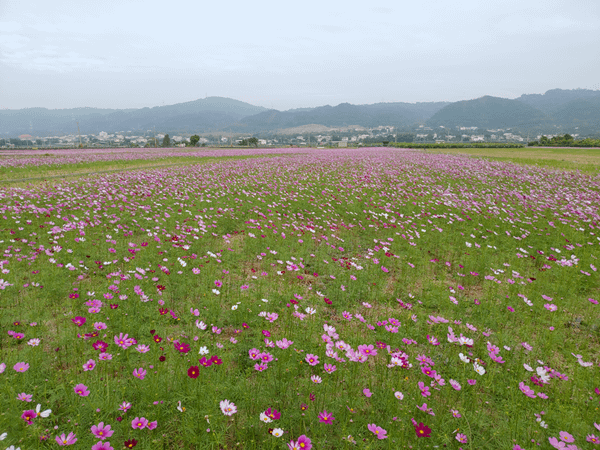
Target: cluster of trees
x=564 y=141
x=453 y=145
x=250 y=141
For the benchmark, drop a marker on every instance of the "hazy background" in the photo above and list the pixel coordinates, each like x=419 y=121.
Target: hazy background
x=132 y=54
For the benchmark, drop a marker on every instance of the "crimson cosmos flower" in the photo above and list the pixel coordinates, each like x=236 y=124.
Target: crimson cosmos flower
x=131 y=443
x=193 y=372
x=422 y=430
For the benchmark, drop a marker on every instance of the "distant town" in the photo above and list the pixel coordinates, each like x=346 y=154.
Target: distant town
x=340 y=138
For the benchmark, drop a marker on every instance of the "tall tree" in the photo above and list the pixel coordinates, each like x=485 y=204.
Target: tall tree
x=166 y=141
x=194 y=140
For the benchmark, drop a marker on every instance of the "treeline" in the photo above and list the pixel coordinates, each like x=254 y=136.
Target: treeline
x=452 y=145
x=564 y=141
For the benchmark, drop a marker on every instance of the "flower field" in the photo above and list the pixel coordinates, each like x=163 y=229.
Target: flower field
x=325 y=299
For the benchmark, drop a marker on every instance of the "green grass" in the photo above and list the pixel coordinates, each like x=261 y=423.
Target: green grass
x=172 y=235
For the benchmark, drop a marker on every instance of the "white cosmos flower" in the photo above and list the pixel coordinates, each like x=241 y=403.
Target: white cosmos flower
x=277 y=432
x=479 y=369
x=463 y=358
x=201 y=325
x=399 y=395
x=528 y=368
x=179 y=407
x=43 y=413
x=265 y=300
x=3 y=436
x=203 y=351
x=310 y=310
x=216 y=291
x=264 y=418
x=234 y=307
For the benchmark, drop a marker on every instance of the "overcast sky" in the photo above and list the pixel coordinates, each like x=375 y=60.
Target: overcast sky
x=132 y=54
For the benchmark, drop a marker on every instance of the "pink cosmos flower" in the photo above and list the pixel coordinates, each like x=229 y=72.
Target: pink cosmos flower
x=593 y=439
x=122 y=341
x=455 y=384
x=66 y=440
x=89 y=365
x=102 y=446
x=424 y=389
x=152 y=425
x=265 y=357
x=455 y=413
x=24 y=397
x=367 y=350
x=377 y=431
x=461 y=438
x=284 y=343
x=142 y=348
x=329 y=368
x=82 y=390
x=125 y=406
x=311 y=359
x=566 y=437
x=139 y=373
x=104 y=356
x=367 y=392
x=526 y=390
x=139 y=423
x=101 y=431
x=21 y=367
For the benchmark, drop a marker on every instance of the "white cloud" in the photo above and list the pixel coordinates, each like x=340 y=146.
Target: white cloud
x=12 y=41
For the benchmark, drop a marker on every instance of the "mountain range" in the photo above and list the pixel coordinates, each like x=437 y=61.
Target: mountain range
x=555 y=111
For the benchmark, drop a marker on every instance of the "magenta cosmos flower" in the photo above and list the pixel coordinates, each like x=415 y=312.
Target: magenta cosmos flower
x=21 y=367
x=102 y=446
x=303 y=443
x=325 y=417
x=101 y=431
x=66 y=440
x=82 y=390
x=139 y=423
x=79 y=320
x=28 y=416
x=89 y=365
x=377 y=431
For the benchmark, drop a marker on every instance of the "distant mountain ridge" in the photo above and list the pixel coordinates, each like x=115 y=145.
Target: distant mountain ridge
x=557 y=109
x=487 y=112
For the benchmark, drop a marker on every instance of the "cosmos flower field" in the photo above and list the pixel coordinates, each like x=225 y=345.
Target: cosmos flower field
x=325 y=299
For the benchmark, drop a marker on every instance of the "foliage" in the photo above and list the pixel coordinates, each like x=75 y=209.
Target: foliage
x=454 y=145
x=564 y=141
x=194 y=140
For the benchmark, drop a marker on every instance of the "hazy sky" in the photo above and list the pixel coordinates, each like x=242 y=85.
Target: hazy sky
x=131 y=54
